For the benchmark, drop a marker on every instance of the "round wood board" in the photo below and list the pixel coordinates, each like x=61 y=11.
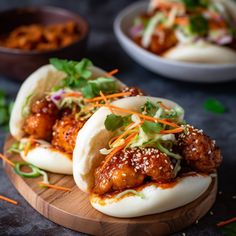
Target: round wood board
x=73 y=210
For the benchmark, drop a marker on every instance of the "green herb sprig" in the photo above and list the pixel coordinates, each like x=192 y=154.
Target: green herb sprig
x=5 y=111
x=77 y=77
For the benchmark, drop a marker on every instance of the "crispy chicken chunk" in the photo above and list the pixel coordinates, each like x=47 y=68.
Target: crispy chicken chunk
x=133 y=90
x=43 y=116
x=129 y=168
x=65 y=132
x=199 y=151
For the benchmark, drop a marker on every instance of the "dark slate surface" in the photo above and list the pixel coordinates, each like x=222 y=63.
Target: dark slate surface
x=105 y=52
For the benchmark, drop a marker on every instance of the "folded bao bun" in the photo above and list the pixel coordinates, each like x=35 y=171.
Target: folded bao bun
x=34 y=88
x=202 y=52
x=86 y=157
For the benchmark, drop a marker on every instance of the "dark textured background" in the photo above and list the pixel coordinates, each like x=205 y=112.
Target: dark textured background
x=105 y=52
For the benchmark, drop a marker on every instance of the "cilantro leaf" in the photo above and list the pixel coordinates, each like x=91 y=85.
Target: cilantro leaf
x=198 y=25
x=191 y=4
x=3 y=115
x=150 y=108
x=150 y=127
x=113 y=122
x=77 y=76
x=229 y=230
x=2 y=98
x=77 y=72
x=5 y=111
x=214 y=106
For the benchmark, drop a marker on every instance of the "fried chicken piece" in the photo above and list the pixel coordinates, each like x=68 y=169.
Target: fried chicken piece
x=162 y=40
x=133 y=91
x=199 y=151
x=43 y=116
x=130 y=167
x=39 y=126
x=44 y=106
x=65 y=132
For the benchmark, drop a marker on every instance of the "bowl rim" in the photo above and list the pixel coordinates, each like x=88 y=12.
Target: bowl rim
x=120 y=33
x=83 y=21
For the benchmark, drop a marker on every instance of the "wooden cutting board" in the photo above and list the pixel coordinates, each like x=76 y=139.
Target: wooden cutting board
x=73 y=210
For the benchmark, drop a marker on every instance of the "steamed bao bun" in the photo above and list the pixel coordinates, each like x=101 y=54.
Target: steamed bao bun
x=206 y=52
x=35 y=87
x=86 y=157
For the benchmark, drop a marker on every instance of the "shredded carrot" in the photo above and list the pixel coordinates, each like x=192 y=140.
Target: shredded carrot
x=7 y=160
x=162 y=105
x=55 y=187
x=73 y=94
x=172 y=131
x=149 y=118
x=112 y=140
x=105 y=100
x=111 y=73
x=181 y=20
x=222 y=223
x=115 y=95
x=117 y=149
x=127 y=131
x=8 y=200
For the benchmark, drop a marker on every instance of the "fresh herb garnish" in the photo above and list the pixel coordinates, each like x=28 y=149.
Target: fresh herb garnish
x=229 y=229
x=198 y=25
x=5 y=110
x=214 y=106
x=149 y=108
x=77 y=72
x=77 y=77
x=192 y=4
x=151 y=127
x=114 y=122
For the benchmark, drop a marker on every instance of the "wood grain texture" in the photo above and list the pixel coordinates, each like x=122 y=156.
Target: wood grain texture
x=73 y=210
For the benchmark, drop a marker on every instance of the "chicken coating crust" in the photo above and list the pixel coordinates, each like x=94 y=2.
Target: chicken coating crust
x=44 y=106
x=65 y=132
x=199 y=151
x=130 y=167
x=39 y=126
x=43 y=116
x=134 y=91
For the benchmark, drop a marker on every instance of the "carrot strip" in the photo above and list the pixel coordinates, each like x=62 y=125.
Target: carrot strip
x=8 y=200
x=117 y=149
x=222 y=223
x=149 y=118
x=127 y=131
x=162 y=105
x=115 y=95
x=172 y=131
x=105 y=100
x=181 y=20
x=73 y=94
x=55 y=187
x=7 y=160
x=111 y=73
x=112 y=140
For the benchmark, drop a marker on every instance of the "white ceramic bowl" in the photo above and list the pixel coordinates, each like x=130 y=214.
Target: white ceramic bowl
x=193 y=72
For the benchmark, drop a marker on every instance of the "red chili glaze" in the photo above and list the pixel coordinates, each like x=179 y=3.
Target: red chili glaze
x=131 y=167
